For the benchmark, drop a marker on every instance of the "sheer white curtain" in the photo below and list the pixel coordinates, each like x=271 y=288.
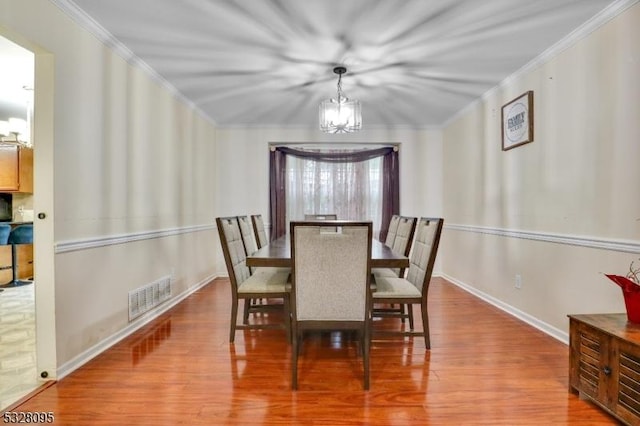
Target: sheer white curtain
x=353 y=191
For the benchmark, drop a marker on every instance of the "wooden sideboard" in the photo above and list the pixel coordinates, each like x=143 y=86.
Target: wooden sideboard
x=604 y=363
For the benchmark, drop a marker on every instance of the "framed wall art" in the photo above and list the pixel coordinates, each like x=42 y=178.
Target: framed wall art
x=517 y=121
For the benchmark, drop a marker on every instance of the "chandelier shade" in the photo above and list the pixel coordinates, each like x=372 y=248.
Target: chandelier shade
x=340 y=115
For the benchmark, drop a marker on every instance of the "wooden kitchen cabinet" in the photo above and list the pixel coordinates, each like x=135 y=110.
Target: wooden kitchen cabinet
x=604 y=363
x=16 y=168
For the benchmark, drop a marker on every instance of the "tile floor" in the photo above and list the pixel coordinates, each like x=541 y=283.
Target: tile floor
x=18 y=374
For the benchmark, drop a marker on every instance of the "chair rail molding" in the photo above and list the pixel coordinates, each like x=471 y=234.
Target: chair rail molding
x=626 y=246
x=109 y=240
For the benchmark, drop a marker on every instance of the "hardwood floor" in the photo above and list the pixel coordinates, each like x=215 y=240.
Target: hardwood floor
x=485 y=367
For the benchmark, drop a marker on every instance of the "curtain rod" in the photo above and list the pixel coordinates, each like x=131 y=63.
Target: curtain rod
x=395 y=145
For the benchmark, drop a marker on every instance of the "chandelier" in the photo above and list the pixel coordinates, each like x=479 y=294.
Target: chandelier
x=340 y=115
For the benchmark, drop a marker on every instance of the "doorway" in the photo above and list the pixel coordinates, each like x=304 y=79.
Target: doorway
x=27 y=351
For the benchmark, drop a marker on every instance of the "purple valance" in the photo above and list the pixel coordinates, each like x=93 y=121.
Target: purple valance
x=338 y=156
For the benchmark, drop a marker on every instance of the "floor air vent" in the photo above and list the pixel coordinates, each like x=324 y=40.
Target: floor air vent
x=149 y=296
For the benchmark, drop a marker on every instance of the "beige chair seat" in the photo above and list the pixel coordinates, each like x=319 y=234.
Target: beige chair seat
x=394 y=287
x=265 y=282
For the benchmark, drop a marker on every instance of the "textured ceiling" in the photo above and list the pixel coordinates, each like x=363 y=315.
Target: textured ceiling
x=269 y=62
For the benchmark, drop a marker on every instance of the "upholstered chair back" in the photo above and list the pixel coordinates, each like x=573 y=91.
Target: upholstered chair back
x=329 y=216
x=404 y=235
x=21 y=234
x=259 y=230
x=331 y=271
x=5 y=230
x=233 y=250
x=393 y=229
x=246 y=231
x=404 y=238
x=425 y=248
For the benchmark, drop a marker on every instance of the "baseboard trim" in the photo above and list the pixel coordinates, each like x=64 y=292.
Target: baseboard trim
x=626 y=246
x=523 y=316
x=84 y=357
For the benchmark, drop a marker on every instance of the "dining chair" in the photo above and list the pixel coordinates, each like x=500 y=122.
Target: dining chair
x=414 y=288
x=259 y=230
x=255 y=305
x=393 y=228
x=246 y=286
x=330 y=284
x=404 y=229
x=246 y=233
x=329 y=216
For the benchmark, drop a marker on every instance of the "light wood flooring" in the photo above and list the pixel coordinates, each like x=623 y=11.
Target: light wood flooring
x=484 y=368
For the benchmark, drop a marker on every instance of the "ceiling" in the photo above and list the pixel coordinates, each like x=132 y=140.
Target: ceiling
x=269 y=62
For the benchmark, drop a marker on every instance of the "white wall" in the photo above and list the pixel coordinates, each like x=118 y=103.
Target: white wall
x=133 y=180
x=242 y=168
x=576 y=184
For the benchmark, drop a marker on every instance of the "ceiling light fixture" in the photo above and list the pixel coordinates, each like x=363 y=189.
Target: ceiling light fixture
x=340 y=115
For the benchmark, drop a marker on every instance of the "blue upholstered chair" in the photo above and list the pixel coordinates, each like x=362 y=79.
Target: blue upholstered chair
x=5 y=230
x=21 y=234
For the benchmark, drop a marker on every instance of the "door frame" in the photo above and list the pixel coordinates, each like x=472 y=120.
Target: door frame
x=43 y=203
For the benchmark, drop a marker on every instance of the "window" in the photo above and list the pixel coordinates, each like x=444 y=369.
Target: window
x=351 y=190
x=347 y=183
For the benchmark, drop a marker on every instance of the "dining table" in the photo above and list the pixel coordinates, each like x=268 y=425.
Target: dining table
x=278 y=254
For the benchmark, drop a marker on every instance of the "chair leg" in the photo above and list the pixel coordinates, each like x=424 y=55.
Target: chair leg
x=365 y=357
x=286 y=317
x=425 y=324
x=294 y=361
x=401 y=310
x=410 y=313
x=234 y=314
x=245 y=315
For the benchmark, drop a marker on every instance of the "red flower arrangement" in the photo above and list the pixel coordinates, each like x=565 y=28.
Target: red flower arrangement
x=630 y=285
